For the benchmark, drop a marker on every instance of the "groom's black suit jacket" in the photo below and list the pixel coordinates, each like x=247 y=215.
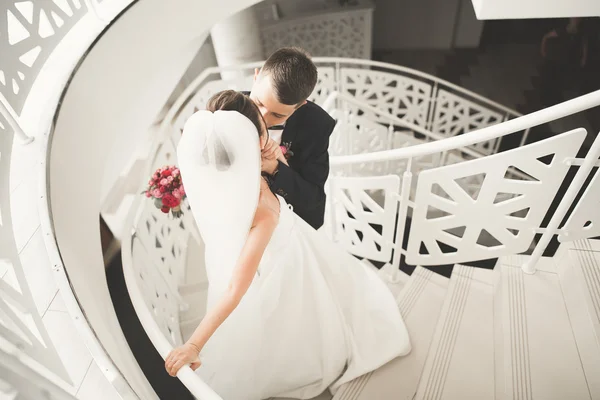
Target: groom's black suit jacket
x=302 y=184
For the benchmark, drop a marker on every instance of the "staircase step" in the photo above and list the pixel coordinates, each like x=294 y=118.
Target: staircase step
x=579 y=271
x=420 y=304
x=462 y=348
x=538 y=348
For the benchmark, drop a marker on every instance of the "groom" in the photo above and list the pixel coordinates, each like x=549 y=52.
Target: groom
x=280 y=90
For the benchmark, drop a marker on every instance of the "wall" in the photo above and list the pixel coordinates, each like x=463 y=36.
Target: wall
x=468 y=28
x=513 y=9
x=424 y=24
x=112 y=99
x=414 y=24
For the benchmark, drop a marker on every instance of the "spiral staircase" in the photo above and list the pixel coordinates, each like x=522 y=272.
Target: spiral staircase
x=420 y=182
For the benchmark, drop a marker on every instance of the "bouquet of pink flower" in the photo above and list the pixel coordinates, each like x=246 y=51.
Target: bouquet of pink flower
x=166 y=189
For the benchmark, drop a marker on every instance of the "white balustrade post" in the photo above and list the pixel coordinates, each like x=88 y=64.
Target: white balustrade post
x=15 y=125
x=403 y=200
x=237 y=41
x=586 y=167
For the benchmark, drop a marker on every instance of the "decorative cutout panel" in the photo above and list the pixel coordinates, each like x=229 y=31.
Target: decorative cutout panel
x=453 y=223
x=359 y=135
x=363 y=226
x=455 y=115
x=339 y=34
x=325 y=85
x=29 y=32
x=158 y=296
x=584 y=222
x=401 y=96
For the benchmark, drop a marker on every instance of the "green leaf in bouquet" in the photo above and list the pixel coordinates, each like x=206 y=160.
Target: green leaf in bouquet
x=158 y=203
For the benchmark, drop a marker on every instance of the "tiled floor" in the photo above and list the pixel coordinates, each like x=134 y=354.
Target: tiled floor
x=24 y=187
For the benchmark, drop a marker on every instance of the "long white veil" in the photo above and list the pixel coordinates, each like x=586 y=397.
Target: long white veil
x=219 y=160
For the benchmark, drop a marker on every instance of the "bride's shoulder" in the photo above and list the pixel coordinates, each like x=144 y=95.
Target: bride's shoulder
x=266 y=212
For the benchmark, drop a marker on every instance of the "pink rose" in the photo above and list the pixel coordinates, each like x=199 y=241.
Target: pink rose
x=164 y=182
x=157 y=193
x=181 y=190
x=151 y=182
x=148 y=194
x=283 y=150
x=176 y=172
x=176 y=194
x=169 y=179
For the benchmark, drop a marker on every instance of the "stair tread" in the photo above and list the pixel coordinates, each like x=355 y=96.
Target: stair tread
x=420 y=303
x=462 y=347
x=540 y=355
x=579 y=271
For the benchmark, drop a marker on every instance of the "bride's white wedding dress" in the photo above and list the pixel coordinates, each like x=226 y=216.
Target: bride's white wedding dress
x=313 y=318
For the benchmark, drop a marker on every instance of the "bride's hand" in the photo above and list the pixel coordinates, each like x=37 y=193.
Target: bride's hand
x=180 y=356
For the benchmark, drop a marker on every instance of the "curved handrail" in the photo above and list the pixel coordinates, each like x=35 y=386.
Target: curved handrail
x=558 y=111
x=192 y=381
x=61 y=277
x=328 y=105
x=193 y=86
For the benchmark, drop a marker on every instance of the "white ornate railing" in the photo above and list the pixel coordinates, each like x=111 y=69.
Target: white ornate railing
x=333 y=32
x=475 y=209
x=33 y=32
x=154 y=255
x=412 y=96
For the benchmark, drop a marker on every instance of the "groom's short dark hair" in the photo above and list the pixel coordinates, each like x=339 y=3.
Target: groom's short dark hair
x=293 y=74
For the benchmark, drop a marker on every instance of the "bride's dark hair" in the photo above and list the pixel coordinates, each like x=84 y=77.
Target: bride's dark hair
x=230 y=100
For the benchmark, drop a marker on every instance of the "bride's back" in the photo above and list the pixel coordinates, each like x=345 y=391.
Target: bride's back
x=219 y=159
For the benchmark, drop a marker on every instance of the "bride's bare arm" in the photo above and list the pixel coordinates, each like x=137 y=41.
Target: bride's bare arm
x=243 y=274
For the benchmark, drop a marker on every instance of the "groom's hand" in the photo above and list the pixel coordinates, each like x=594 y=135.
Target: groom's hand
x=269 y=157
x=270 y=150
x=269 y=165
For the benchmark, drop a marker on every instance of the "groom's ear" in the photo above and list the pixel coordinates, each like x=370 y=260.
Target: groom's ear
x=256 y=72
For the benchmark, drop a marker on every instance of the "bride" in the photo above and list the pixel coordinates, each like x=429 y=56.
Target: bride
x=290 y=314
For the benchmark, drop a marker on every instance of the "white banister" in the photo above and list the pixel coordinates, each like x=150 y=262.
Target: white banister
x=404 y=200
x=565 y=204
x=193 y=382
x=331 y=99
x=338 y=65
x=481 y=135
